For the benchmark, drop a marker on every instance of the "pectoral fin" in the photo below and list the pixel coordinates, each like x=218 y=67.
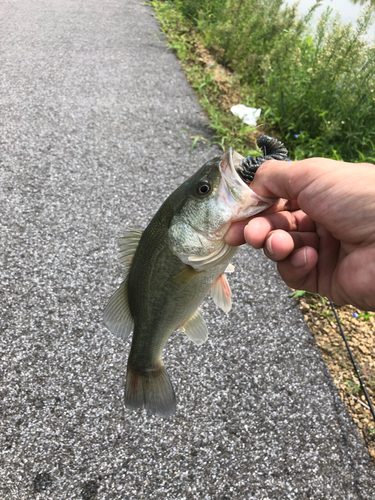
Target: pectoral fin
x=117 y=316
x=221 y=293
x=183 y=277
x=196 y=329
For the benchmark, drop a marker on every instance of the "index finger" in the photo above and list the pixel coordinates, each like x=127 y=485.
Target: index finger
x=259 y=226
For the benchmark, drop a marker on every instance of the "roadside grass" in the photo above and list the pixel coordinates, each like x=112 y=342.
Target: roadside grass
x=316 y=88
x=216 y=87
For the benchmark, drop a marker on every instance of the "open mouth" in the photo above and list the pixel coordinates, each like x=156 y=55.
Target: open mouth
x=236 y=193
x=231 y=168
x=237 y=165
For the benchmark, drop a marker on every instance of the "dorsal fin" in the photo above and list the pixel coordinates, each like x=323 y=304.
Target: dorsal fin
x=128 y=246
x=117 y=316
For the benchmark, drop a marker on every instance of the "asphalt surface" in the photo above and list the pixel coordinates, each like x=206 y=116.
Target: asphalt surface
x=92 y=109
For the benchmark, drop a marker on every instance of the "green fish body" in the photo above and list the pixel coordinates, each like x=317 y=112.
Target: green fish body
x=170 y=268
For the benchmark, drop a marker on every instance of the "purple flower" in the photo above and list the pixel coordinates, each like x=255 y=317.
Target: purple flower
x=355 y=315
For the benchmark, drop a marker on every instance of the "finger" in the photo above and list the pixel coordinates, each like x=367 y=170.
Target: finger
x=355 y=279
x=296 y=220
x=279 y=244
x=287 y=179
x=281 y=205
x=235 y=234
x=299 y=270
x=258 y=228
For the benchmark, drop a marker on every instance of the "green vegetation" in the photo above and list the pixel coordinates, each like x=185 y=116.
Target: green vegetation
x=365 y=315
x=316 y=87
x=183 y=39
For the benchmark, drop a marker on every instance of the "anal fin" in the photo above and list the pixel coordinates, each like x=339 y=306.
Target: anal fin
x=196 y=328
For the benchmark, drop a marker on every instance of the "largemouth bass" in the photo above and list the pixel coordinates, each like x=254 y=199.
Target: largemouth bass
x=171 y=267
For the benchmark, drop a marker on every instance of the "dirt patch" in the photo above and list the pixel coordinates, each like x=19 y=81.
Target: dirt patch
x=359 y=329
x=229 y=90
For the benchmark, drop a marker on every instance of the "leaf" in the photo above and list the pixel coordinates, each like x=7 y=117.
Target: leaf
x=196 y=139
x=297 y=293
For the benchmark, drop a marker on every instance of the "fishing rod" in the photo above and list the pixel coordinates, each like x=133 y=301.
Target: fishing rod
x=371 y=408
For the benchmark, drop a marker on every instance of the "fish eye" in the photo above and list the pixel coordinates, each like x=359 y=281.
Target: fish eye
x=204 y=188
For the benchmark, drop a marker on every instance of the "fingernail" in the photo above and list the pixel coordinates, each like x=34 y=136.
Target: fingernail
x=269 y=245
x=299 y=258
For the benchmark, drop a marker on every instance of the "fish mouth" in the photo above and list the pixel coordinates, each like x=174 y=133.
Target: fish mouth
x=229 y=166
x=235 y=193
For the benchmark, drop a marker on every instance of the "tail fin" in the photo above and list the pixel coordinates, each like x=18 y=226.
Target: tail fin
x=152 y=389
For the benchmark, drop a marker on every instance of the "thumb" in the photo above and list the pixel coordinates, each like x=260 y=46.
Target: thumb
x=281 y=179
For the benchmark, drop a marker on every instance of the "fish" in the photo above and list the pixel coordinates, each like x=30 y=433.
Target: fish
x=169 y=269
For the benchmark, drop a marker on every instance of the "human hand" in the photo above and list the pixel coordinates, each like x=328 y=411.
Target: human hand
x=321 y=232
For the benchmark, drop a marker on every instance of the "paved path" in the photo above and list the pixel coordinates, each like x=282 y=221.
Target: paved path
x=92 y=106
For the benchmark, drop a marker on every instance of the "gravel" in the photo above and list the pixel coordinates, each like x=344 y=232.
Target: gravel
x=92 y=109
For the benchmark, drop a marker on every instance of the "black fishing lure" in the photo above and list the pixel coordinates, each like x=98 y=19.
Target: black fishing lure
x=272 y=150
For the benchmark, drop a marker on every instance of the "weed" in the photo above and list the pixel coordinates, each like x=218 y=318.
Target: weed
x=196 y=138
x=320 y=90
x=228 y=130
x=353 y=387
x=365 y=315
x=316 y=89
x=298 y=293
